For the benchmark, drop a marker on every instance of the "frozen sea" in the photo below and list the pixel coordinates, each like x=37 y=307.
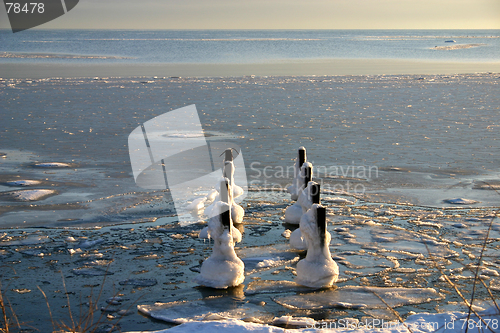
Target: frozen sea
x=412 y=139
x=408 y=166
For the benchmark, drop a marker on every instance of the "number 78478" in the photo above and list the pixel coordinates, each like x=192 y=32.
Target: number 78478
x=36 y=7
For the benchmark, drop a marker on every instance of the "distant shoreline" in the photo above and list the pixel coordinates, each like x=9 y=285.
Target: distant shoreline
x=285 y=68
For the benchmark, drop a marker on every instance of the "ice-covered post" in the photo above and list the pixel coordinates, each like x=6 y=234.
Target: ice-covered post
x=293 y=214
x=294 y=188
x=317 y=269
x=223 y=268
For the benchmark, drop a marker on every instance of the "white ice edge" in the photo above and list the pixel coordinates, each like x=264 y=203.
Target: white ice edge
x=448 y=322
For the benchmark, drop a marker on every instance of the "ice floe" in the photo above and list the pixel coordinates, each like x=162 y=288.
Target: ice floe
x=27 y=240
x=91 y=271
x=139 y=282
x=206 y=309
x=53 y=165
x=22 y=183
x=27 y=195
x=449 y=322
x=359 y=297
x=461 y=201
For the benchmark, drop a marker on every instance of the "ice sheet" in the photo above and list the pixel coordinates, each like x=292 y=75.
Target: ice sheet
x=357 y=297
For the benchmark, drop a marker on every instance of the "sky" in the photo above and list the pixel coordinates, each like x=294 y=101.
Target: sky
x=277 y=14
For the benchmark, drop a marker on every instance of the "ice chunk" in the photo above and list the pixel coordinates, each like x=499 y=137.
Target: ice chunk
x=217 y=326
x=22 y=290
x=269 y=286
x=116 y=300
x=359 y=297
x=489 y=271
x=257 y=264
x=139 y=282
x=91 y=271
x=27 y=195
x=199 y=310
x=338 y=200
x=211 y=195
x=297 y=241
x=30 y=240
x=197 y=204
x=286 y=233
x=33 y=252
x=26 y=182
x=294 y=321
x=88 y=243
x=363 y=264
x=52 y=165
x=461 y=201
x=455 y=322
x=398 y=239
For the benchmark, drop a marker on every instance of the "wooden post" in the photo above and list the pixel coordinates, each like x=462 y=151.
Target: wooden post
x=224 y=191
x=302 y=156
x=308 y=175
x=225 y=218
x=226 y=172
x=321 y=222
x=228 y=155
x=315 y=193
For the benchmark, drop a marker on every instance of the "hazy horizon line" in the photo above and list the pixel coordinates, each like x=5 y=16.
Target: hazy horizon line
x=257 y=29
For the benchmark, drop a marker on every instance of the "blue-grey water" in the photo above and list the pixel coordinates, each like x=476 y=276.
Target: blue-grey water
x=244 y=46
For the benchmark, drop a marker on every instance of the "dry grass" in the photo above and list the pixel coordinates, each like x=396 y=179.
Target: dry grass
x=9 y=319
x=477 y=278
x=90 y=319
